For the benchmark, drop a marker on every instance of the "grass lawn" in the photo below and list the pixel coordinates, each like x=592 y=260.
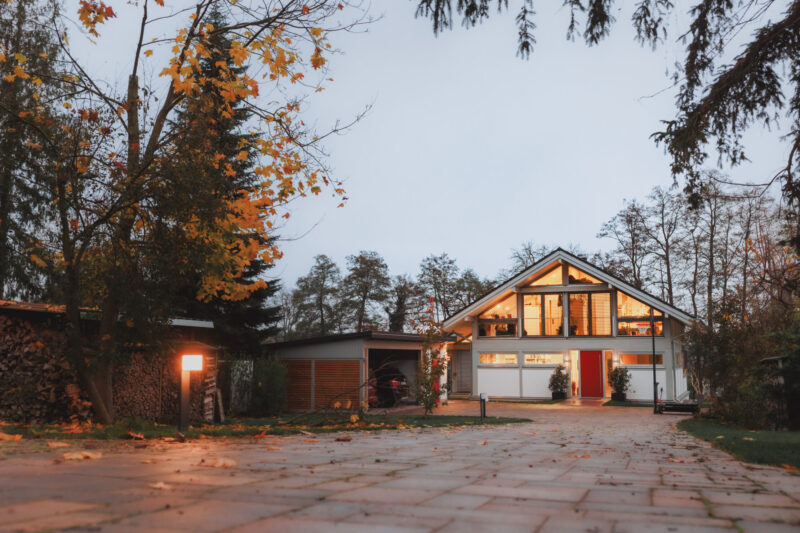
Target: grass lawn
x=248 y=427
x=614 y=403
x=780 y=448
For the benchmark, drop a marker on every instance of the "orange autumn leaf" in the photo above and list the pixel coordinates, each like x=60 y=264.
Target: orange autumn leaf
x=305 y=10
x=81 y=456
x=6 y=436
x=93 y=13
x=790 y=468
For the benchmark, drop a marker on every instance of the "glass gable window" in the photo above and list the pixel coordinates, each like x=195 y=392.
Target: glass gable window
x=498 y=359
x=590 y=313
x=553 y=277
x=544 y=358
x=633 y=317
x=579 y=277
x=532 y=314
x=601 y=313
x=579 y=314
x=500 y=320
x=553 y=314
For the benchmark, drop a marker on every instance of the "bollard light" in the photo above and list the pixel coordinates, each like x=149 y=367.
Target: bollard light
x=192 y=362
x=189 y=363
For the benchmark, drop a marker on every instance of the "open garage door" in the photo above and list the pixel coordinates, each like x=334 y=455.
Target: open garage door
x=391 y=374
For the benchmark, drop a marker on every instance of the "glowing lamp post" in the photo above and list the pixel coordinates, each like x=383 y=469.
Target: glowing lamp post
x=189 y=363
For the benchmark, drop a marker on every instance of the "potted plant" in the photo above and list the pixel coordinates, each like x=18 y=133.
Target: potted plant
x=559 y=382
x=620 y=379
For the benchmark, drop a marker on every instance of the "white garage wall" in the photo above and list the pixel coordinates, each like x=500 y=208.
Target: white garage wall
x=535 y=381
x=499 y=381
x=642 y=382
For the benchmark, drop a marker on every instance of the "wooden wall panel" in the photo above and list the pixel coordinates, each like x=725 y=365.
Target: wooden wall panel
x=298 y=390
x=336 y=381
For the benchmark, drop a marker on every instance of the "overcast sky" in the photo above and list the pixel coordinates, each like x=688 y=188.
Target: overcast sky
x=470 y=150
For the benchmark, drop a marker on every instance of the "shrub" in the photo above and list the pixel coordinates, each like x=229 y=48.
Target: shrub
x=428 y=379
x=620 y=379
x=269 y=387
x=559 y=381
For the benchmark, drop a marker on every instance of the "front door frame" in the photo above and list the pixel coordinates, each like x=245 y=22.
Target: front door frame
x=602 y=372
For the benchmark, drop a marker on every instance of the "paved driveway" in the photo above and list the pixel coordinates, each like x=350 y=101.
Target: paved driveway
x=575 y=468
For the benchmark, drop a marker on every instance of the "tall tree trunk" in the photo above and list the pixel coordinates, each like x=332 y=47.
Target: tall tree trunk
x=75 y=348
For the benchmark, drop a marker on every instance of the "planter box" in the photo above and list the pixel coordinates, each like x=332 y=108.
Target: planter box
x=618 y=396
x=559 y=395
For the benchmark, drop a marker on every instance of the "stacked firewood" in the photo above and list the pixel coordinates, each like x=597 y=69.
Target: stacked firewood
x=37 y=383
x=137 y=386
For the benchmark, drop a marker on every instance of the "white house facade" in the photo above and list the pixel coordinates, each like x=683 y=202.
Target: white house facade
x=564 y=310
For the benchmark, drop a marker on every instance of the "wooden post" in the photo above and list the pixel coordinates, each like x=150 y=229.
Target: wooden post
x=186 y=381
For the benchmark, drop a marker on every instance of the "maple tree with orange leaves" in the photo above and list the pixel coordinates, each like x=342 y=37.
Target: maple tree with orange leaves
x=106 y=150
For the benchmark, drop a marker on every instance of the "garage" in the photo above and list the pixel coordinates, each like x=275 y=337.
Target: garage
x=349 y=370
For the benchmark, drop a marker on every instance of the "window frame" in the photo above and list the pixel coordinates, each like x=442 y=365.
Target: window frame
x=498 y=365
x=652 y=316
x=589 y=315
x=526 y=364
x=543 y=318
x=642 y=365
x=513 y=321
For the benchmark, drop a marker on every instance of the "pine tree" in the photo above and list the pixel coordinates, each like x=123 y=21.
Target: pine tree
x=23 y=32
x=240 y=325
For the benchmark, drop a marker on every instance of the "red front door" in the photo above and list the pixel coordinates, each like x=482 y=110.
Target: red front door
x=591 y=375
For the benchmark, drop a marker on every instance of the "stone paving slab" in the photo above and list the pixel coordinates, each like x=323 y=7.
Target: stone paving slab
x=574 y=468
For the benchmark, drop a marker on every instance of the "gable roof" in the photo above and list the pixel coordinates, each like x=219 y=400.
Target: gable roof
x=559 y=254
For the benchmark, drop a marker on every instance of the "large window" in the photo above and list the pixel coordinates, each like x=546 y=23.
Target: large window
x=580 y=277
x=544 y=358
x=601 y=313
x=633 y=317
x=553 y=315
x=640 y=359
x=498 y=359
x=532 y=314
x=553 y=277
x=579 y=314
x=500 y=320
x=542 y=315
x=590 y=313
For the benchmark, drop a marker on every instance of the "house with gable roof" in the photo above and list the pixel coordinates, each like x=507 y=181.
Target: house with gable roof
x=563 y=310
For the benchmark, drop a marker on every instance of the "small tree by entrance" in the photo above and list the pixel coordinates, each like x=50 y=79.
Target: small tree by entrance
x=559 y=381
x=620 y=380
x=432 y=364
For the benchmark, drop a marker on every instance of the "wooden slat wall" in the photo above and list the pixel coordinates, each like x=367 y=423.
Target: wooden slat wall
x=336 y=381
x=298 y=391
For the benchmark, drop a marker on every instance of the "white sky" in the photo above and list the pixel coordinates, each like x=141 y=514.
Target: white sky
x=468 y=149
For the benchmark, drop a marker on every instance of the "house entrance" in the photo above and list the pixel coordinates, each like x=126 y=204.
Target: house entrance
x=591 y=374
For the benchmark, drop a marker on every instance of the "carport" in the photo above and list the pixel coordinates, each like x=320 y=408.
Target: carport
x=333 y=371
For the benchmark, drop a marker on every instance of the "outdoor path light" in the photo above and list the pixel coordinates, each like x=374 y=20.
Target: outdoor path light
x=189 y=363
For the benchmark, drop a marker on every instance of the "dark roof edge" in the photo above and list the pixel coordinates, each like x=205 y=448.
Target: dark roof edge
x=89 y=314
x=373 y=335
